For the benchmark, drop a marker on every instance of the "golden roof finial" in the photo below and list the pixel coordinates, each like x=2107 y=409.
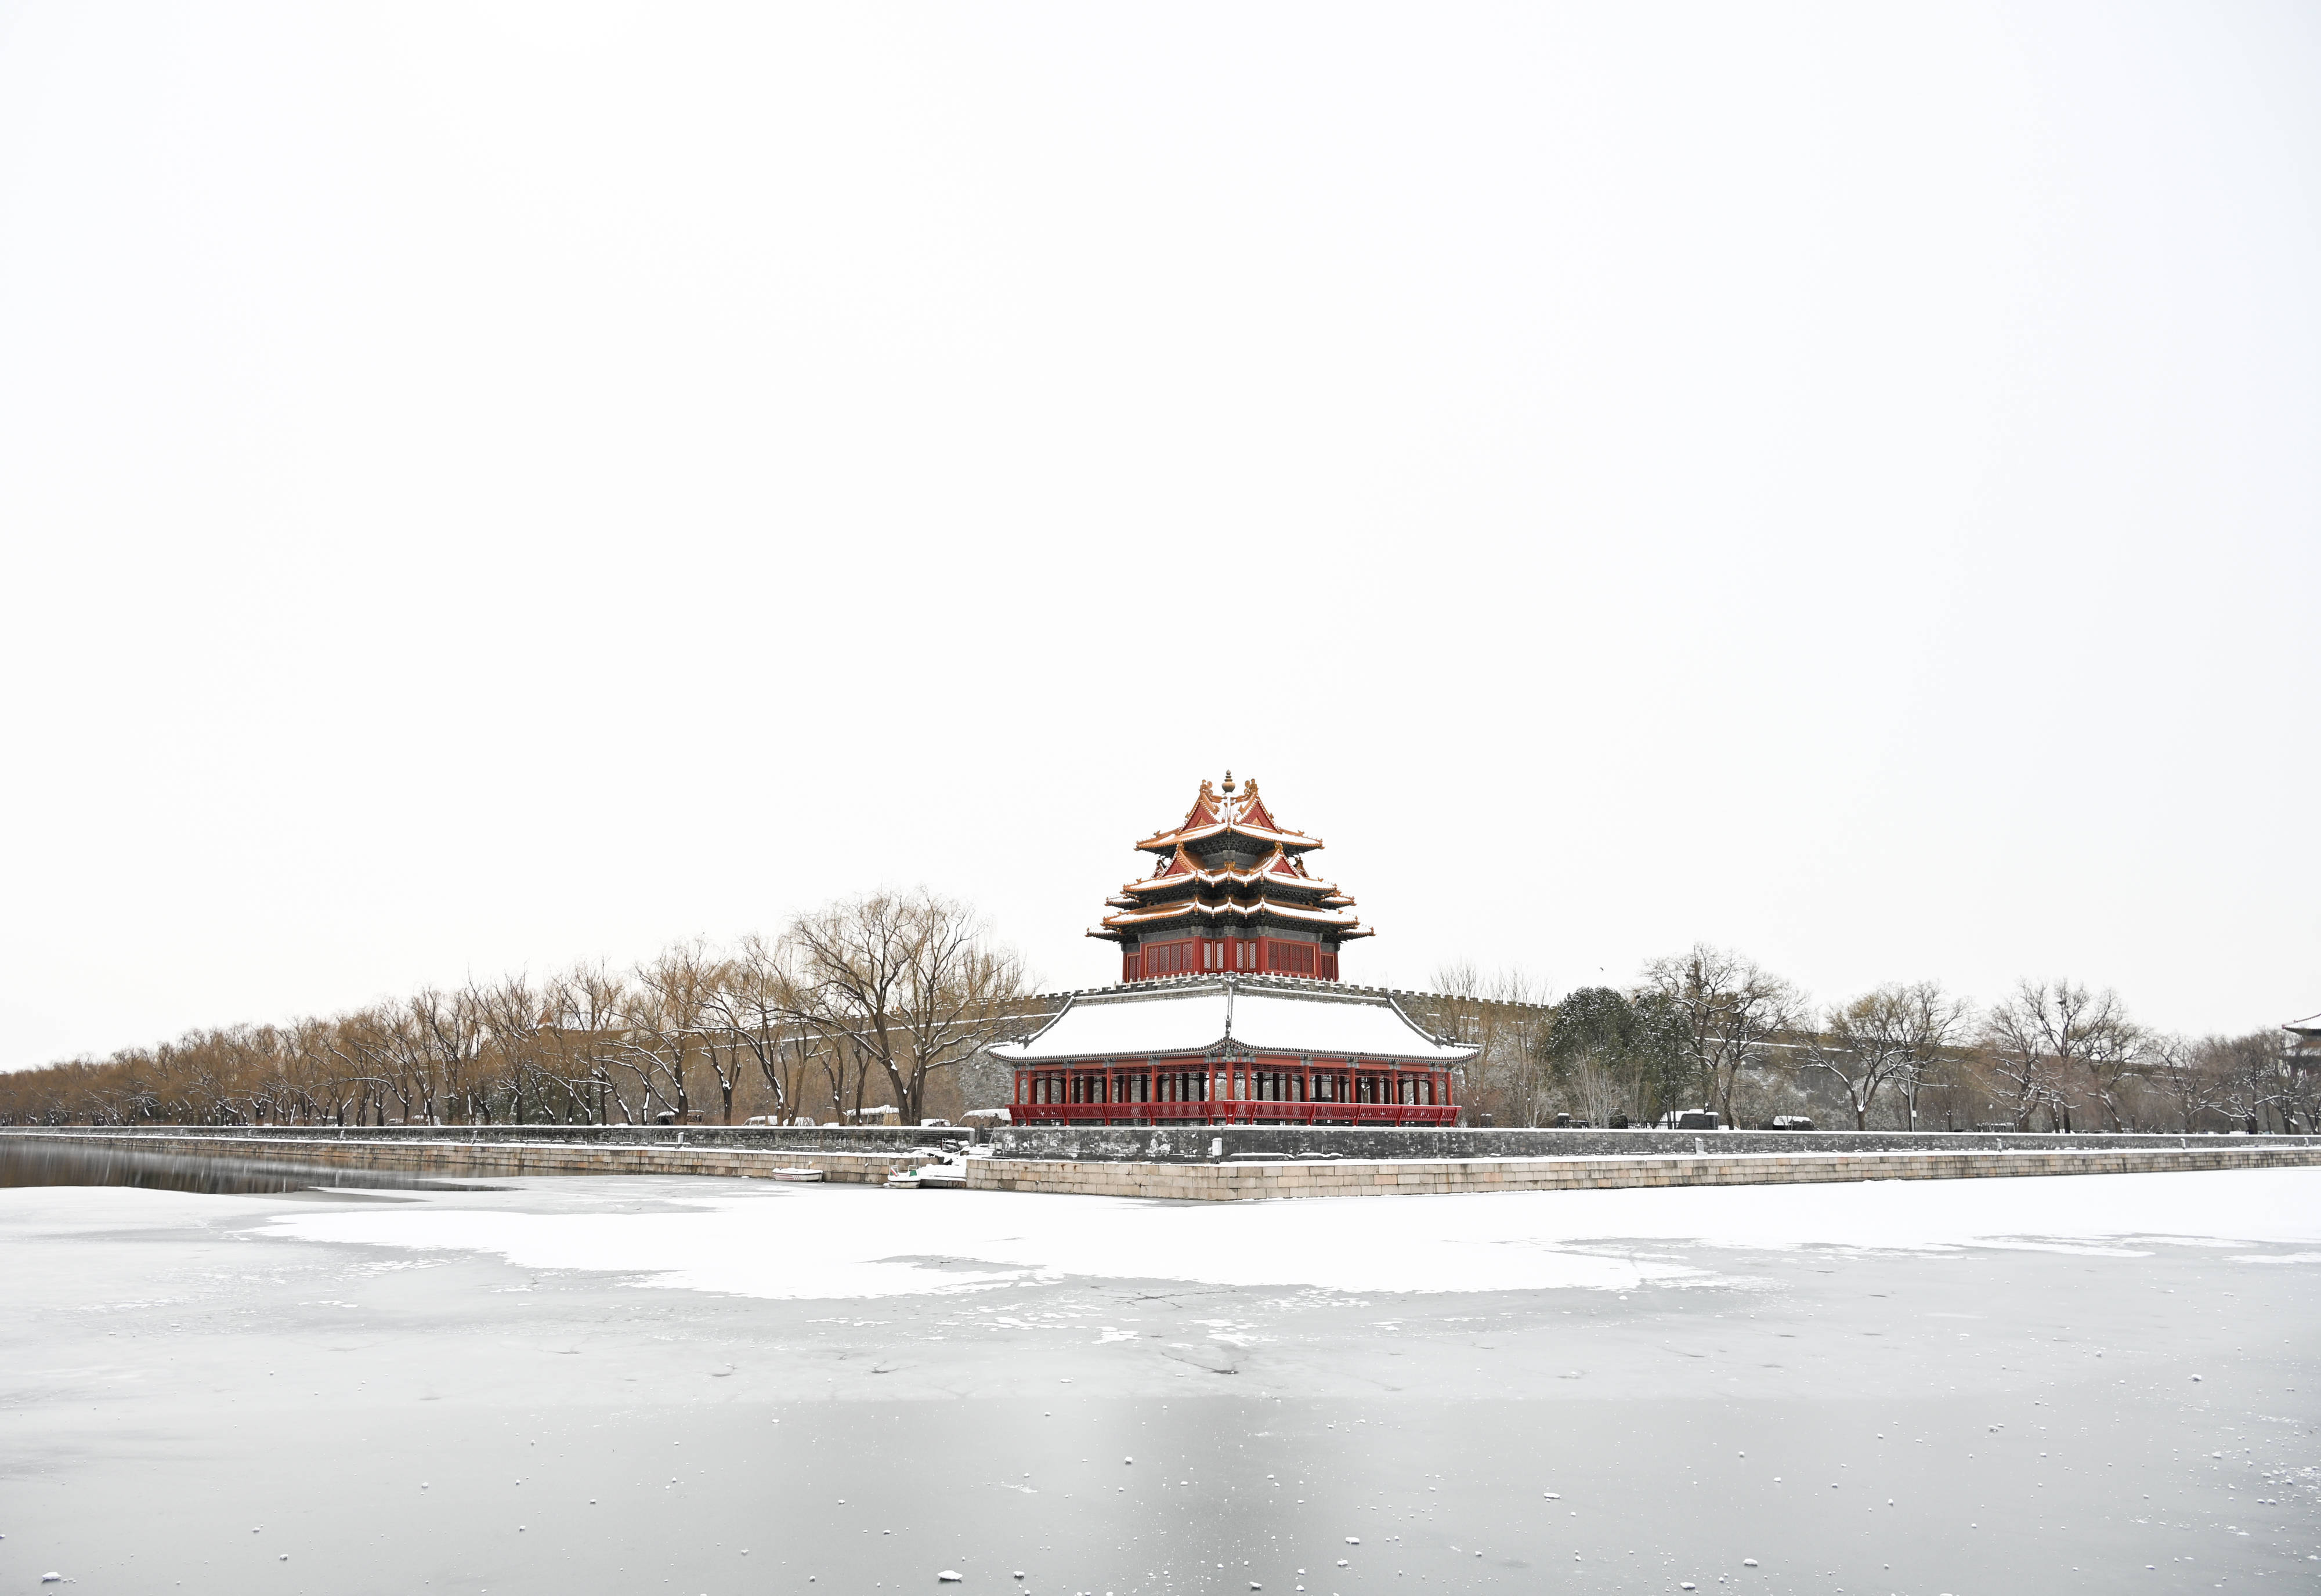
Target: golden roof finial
x=1228 y=783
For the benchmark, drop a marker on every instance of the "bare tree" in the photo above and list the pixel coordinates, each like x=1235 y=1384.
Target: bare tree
x=1934 y=1025
x=2181 y=1072
x=661 y=1024
x=1504 y=1015
x=581 y=1011
x=326 y=1088
x=2249 y=1075
x=753 y=1003
x=1859 y=1047
x=360 y=1042
x=1729 y=1011
x=726 y=1044
x=1897 y=1034
x=514 y=1018
x=908 y=982
x=2049 y=1036
x=447 y=1029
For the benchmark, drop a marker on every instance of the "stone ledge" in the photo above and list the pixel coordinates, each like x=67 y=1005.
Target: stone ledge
x=1246 y=1181
x=450 y=1155
x=1239 y=1180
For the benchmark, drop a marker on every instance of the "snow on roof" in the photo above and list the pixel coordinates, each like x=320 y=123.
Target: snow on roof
x=1283 y=872
x=2308 y=1027
x=1133 y=1022
x=1212 y=812
x=1160 y=911
x=1296 y=1022
x=1175 y=1021
x=1283 y=839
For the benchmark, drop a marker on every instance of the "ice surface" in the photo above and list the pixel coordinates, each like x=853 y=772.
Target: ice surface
x=2031 y=1414
x=843 y=1242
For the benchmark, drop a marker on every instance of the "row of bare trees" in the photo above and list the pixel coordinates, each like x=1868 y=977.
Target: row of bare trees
x=890 y=1000
x=875 y=1001
x=1709 y=1028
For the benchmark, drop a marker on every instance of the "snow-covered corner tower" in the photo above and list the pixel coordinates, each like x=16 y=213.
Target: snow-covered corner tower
x=1230 y=892
x=1230 y=1010
x=1234 y=1049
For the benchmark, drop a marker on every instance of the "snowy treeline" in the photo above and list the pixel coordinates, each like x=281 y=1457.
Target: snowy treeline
x=1711 y=1028
x=888 y=1001
x=877 y=1001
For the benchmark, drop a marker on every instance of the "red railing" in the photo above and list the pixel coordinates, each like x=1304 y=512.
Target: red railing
x=1232 y=1112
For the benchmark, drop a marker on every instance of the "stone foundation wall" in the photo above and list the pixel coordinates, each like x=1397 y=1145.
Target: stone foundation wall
x=764 y=1138
x=507 y=1157
x=1720 y=1161
x=1198 y=1144
x=1238 y=1181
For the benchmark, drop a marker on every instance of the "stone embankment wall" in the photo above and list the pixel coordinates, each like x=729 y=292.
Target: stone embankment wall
x=1456 y=1161
x=452 y=1152
x=1243 y=1180
x=1201 y=1145
x=762 y=1138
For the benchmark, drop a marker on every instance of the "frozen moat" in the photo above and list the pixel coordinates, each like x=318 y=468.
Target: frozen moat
x=2095 y=1384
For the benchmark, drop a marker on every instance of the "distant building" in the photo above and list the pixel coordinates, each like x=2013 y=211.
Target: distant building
x=1229 y=1011
x=2304 y=1051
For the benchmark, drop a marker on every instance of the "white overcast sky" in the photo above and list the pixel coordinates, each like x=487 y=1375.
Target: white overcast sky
x=487 y=484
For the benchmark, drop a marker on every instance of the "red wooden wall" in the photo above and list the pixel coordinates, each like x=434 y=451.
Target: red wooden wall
x=1192 y=955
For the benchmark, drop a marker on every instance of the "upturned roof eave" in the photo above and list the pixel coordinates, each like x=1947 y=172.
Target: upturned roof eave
x=1263 y=879
x=1169 y=841
x=1194 y=908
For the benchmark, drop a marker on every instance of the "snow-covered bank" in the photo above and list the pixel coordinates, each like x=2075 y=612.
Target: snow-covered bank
x=818 y=1242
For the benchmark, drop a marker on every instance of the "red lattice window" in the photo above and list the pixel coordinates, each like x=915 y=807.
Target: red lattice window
x=1169 y=958
x=1292 y=958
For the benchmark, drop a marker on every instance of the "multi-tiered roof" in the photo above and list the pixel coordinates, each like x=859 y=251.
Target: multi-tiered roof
x=1230 y=871
x=1228 y=1011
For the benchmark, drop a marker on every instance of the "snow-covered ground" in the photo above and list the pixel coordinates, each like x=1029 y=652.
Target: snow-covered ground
x=2090 y=1383
x=838 y=1241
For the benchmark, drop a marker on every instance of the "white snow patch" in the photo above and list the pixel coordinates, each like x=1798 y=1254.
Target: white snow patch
x=765 y=1245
